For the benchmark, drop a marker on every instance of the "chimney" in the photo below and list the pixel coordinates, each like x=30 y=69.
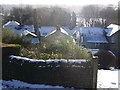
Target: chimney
x=57 y=27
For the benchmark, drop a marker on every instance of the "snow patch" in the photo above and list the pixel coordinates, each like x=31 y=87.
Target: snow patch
x=107 y=79
x=20 y=84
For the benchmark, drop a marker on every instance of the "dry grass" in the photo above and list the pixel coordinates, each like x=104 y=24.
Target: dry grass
x=8 y=45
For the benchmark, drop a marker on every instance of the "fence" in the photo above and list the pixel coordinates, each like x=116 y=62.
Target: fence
x=67 y=73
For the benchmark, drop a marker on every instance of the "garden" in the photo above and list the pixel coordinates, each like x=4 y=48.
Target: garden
x=57 y=63
x=47 y=49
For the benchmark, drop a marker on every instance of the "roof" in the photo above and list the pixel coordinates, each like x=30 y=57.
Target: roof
x=93 y=35
x=92 y=30
x=30 y=28
x=73 y=31
x=97 y=39
x=35 y=40
x=44 y=30
x=11 y=23
x=61 y=30
x=26 y=32
x=112 y=29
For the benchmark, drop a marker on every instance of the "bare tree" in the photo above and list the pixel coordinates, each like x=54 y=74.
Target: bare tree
x=36 y=24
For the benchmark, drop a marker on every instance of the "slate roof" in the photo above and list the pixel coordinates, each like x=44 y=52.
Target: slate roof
x=61 y=30
x=26 y=32
x=97 y=39
x=44 y=30
x=30 y=28
x=94 y=35
x=35 y=40
x=11 y=23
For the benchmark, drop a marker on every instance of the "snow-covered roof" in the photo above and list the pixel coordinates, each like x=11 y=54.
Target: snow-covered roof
x=112 y=29
x=30 y=28
x=97 y=39
x=61 y=30
x=26 y=32
x=94 y=35
x=44 y=30
x=51 y=33
x=92 y=30
x=11 y=23
x=71 y=32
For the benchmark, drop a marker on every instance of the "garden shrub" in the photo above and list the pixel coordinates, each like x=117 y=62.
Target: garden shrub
x=46 y=56
x=10 y=37
x=66 y=47
x=56 y=49
x=37 y=54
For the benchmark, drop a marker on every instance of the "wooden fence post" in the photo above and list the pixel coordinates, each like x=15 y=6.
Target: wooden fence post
x=95 y=71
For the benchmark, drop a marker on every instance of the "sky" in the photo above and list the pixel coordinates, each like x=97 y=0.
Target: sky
x=60 y=2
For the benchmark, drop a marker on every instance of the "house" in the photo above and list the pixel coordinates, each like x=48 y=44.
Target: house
x=93 y=38
x=57 y=35
x=44 y=30
x=15 y=26
x=11 y=25
x=75 y=32
x=31 y=36
x=26 y=30
x=113 y=36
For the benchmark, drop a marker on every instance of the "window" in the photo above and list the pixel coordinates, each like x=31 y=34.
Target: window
x=97 y=45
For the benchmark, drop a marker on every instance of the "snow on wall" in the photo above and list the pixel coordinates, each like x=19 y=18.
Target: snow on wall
x=48 y=61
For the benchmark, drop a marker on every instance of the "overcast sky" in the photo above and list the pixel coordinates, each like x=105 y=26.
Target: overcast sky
x=60 y=2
